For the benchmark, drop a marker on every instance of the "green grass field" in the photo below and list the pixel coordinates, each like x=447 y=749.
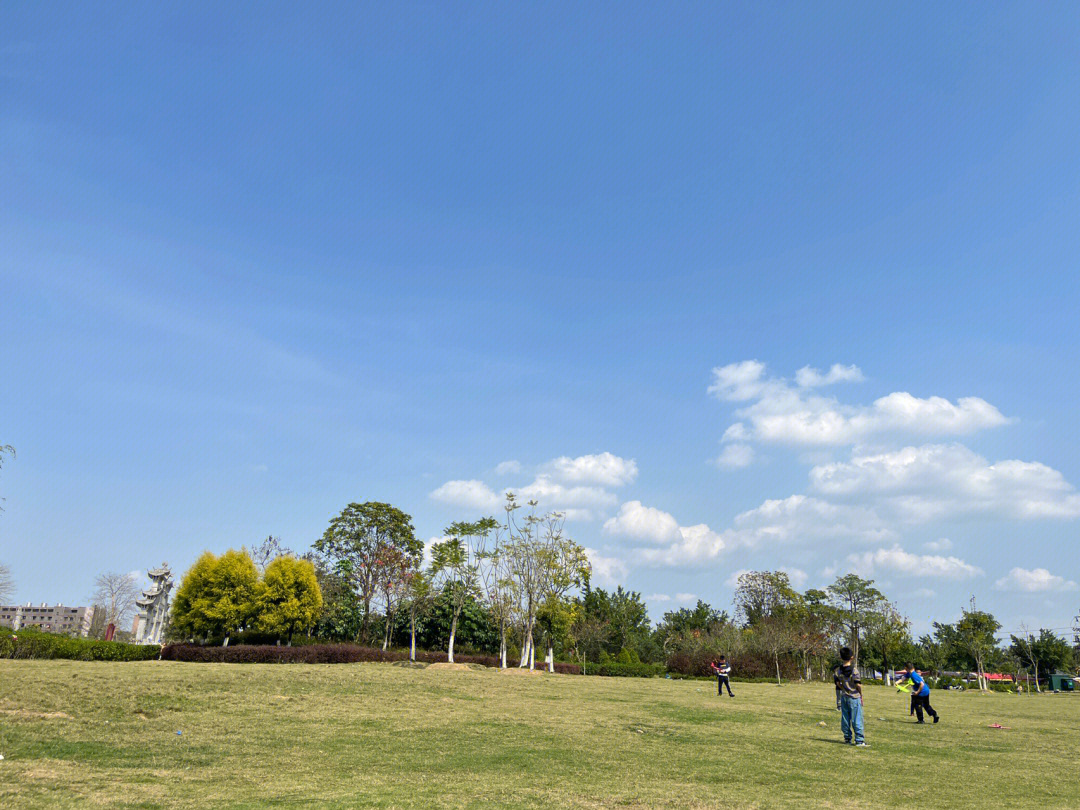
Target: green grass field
x=76 y=734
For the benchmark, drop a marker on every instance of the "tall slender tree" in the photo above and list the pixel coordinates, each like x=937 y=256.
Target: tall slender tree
x=856 y=600
x=976 y=633
x=455 y=566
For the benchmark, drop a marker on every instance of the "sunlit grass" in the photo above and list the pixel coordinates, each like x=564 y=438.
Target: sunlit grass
x=375 y=735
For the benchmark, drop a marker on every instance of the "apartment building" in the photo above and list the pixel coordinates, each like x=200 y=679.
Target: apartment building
x=70 y=621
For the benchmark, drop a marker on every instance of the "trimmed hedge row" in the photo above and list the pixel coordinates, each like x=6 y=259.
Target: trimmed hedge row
x=32 y=643
x=321 y=654
x=617 y=670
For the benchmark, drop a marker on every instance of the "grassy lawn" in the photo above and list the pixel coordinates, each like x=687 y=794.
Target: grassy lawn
x=376 y=735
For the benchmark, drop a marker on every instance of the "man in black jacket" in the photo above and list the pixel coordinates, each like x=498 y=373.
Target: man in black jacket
x=723 y=672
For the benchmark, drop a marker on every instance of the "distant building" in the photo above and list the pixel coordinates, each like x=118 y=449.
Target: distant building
x=68 y=621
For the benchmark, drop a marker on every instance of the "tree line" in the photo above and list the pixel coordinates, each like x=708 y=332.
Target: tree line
x=512 y=586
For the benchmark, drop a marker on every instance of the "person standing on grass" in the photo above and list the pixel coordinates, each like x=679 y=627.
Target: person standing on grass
x=920 y=694
x=849 y=699
x=723 y=676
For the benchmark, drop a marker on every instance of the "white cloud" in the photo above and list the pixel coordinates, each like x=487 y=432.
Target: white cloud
x=781 y=413
x=797 y=576
x=470 y=494
x=944 y=544
x=936 y=481
x=658 y=597
x=680 y=544
x=802 y=516
x=577 y=503
x=696 y=544
x=686 y=598
x=508 y=467
x=734 y=456
x=897 y=560
x=738 y=382
x=807 y=377
x=606 y=571
x=1037 y=580
x=604 y=469
x=643 y=523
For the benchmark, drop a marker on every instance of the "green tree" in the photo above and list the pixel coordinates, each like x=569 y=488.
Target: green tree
x=700 y=620
x=565 y=565
x=420 y=594
x=1042 y=654
x=360 y=540
x=289 y=600
x=887 y=633
x=455 y=566
x=774 y=635
x=589 y=632
x=341 y=614
x=761 y=594
x=975 y=634
x=933 y=653
x=629 y=621
x=856 y=601
x=555 y=618
x=216 y=597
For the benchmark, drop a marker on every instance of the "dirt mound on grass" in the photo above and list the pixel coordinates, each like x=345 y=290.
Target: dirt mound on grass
x=454 y=667
x=36 y=715
x=520 y=671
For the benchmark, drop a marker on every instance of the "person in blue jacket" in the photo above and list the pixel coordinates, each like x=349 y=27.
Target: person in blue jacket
x=920 y=695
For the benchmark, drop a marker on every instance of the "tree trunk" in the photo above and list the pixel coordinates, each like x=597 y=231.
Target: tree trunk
x=225 y=643
x=389 y=630
x=1037 y=687
x=365 y=624
x=776 y=660
x=453 y=632
x=502 y=647
x=551 y=658
x=527 y=655
x=412 y=638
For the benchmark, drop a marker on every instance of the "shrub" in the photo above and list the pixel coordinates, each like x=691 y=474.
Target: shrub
x=33 y=643
x=622 y=670
x=321 y=654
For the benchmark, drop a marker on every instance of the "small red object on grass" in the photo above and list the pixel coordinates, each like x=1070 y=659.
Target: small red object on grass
x=998 y=725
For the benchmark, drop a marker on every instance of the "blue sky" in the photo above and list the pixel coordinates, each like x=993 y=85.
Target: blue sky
x=260 y=261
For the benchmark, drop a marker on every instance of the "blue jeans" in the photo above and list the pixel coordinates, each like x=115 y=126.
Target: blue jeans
x=851 y=718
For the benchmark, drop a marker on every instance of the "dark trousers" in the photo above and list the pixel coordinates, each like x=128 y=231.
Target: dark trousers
x=721 y=682
x=920 y=702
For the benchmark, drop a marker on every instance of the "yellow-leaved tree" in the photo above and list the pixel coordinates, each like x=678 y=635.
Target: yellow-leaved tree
x=289 y=600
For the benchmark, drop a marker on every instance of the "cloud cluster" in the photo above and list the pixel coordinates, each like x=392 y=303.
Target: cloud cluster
x=604 y=469
x=1037 y=580
x=577 y=487
x=931 y=482
x=859 y=506
x=783 y=413
x=672 y=544
x=896 y=560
